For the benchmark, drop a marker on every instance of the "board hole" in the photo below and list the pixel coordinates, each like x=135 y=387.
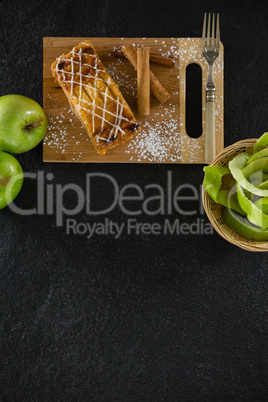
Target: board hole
x=193 y=117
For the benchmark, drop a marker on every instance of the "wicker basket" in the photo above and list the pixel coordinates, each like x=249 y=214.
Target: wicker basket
x=214 y=210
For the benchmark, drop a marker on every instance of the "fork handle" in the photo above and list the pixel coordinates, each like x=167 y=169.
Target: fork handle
x=210 y=148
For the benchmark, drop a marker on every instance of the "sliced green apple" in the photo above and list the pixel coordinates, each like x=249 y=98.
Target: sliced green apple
x=212 y=184
x=258 y=155
x=237 y=165
x=262 y=204
x=254 y=214
x=261 y=142
x=243 y=227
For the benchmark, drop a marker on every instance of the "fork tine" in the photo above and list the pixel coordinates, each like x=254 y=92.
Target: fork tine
x=208 y=31
x=213 y=30
x=218 y=31
x=204 y=30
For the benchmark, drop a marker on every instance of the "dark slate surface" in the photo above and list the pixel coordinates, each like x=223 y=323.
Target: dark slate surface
x=140 y=318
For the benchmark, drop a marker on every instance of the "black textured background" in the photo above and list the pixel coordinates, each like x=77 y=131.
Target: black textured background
x=142 y=318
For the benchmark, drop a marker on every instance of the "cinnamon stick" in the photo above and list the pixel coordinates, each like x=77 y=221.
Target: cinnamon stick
x=157 y=88
x=154 y=58
x=143 y=81
x=163 y=60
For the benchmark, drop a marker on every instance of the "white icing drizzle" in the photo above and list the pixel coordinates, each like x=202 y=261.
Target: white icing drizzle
x=95 y=94
x=69 y=77
x=104 y=106
x=81 y=78
x=72 y=61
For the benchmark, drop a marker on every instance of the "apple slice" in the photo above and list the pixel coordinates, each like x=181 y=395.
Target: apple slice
x=242 y=226
x=261 y=142
x=23 y=123
x=11 y=178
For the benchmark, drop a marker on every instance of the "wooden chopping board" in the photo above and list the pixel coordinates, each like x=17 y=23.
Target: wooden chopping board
x=162 y=137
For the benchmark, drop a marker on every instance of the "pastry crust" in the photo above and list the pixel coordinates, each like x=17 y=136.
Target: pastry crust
x=95 y=97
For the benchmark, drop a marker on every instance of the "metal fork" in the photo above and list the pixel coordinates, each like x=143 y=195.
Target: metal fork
x=210 y=51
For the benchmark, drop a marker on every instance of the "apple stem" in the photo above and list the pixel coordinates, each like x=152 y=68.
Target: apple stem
x=35 y=124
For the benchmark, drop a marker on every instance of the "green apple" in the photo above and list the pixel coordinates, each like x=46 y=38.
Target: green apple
x=11 y=178
x=23 y=123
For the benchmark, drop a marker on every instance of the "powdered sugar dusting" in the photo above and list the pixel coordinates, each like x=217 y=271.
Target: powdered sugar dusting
x=153 y=143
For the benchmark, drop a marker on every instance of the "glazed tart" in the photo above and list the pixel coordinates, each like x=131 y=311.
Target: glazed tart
x=95 y=97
